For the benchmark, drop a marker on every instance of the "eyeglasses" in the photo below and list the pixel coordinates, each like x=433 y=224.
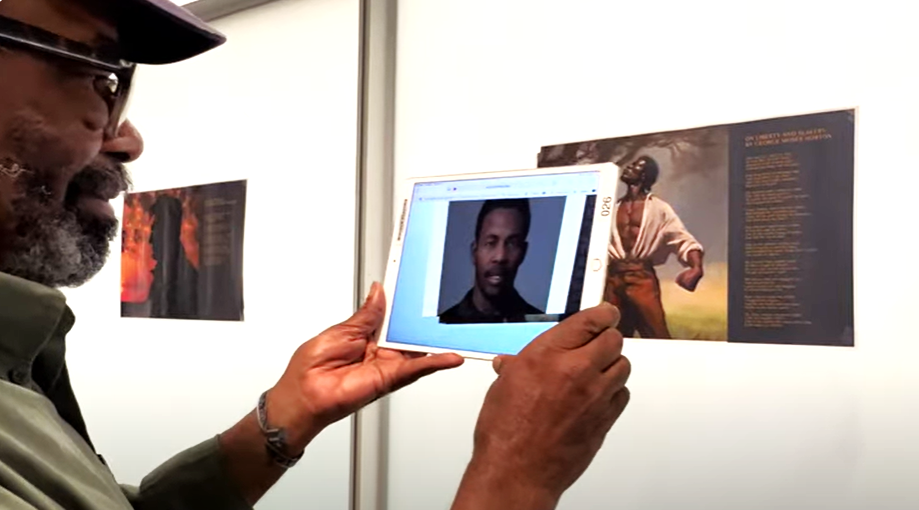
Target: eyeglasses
x=113 y=84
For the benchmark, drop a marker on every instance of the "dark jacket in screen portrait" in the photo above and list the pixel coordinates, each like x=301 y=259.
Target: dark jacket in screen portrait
x=515 y=310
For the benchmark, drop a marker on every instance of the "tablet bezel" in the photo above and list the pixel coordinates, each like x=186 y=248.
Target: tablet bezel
x=597 y=253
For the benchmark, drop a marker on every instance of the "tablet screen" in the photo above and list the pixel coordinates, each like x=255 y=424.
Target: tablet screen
x=488 y=264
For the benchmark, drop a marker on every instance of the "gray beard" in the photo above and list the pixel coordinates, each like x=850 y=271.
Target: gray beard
x=54 y=246
x=48 y=242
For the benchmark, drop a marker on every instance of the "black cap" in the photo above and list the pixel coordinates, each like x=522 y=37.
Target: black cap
x=161 y=32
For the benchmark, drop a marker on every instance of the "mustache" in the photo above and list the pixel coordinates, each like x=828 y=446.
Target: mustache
x=103 y=178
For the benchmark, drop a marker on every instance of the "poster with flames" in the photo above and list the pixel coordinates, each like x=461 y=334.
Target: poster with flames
x=182 y=253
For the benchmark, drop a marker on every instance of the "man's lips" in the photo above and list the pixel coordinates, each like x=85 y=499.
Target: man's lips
x=95 y=206
x=92 y=189
x=103 y=179
x=495 y=277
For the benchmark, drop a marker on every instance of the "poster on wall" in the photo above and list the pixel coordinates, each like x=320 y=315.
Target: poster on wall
x=738 y=232
x=182 y=253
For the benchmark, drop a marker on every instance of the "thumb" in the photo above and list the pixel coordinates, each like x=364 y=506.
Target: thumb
x=370 y=316
x=498 y=363
x=413 y=369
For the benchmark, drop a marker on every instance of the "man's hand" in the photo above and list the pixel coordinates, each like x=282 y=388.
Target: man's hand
x=689 y=278
x=342 y=370
x=328 y=378
x=547 y=414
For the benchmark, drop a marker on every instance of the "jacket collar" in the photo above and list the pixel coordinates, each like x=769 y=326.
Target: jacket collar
x=30 y=315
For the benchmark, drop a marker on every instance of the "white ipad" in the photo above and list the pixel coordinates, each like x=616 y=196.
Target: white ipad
x=481 y=264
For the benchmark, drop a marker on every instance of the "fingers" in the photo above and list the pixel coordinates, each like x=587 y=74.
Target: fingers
x=410 y=370
x=616 y=377
x=370 y=316
x=619 y=402
x=603 y=350
x=580 y=328
x=621 y=399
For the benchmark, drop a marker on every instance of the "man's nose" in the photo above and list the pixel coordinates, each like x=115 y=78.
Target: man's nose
x=126 y=146
x=500 y=254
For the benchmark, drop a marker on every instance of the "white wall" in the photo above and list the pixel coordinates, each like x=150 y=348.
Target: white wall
x=276 y=105
x=482 y=84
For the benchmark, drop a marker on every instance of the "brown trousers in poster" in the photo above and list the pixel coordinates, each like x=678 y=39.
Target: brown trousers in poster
x=633 y=287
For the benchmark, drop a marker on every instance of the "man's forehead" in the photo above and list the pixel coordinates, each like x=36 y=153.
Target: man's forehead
x=503 y=217
x=85 y=21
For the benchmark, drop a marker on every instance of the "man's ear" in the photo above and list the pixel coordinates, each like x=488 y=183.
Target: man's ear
x=523 y=254
x=472 y=246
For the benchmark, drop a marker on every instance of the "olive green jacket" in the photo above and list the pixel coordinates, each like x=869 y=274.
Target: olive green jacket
x=47 y=461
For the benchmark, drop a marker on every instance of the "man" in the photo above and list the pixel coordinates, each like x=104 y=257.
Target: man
x=647 y=232
x=65 y=69
x=498 y=248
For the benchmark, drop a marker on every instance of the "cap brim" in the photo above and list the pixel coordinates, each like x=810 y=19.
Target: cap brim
x=161 y=32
